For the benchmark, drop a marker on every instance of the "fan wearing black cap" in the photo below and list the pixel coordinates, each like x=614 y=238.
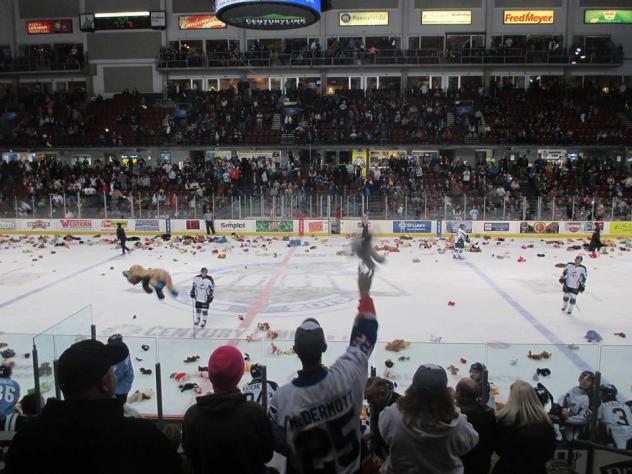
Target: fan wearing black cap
x=424 y=430
x=316 y=417
x=576 y=412
x=87 y=431
x=123 y=371
x=202 y=292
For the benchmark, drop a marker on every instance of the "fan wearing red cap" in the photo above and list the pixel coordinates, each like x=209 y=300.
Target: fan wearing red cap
x=225 y=422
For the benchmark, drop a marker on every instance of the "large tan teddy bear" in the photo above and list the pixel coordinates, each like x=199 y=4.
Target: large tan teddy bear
x=156 y=278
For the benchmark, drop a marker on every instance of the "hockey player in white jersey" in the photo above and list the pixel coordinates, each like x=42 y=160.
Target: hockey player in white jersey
x=459 y=242
x=576 y=412
x=615 y=418
x=202 y=292
x=316 y=417
x=573 y=280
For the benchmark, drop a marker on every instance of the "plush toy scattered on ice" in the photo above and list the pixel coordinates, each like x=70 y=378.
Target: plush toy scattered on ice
x=156 y=278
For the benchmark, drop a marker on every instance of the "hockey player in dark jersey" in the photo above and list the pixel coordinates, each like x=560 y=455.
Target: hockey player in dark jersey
x=316 y=417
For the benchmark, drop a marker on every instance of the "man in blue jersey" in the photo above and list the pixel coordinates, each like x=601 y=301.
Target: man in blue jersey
x=9 y=391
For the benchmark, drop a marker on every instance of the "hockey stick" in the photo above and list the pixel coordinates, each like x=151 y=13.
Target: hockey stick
x=193 y=318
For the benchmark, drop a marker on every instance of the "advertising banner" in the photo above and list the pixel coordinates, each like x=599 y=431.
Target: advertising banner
x=7 y=225
x=268 y=14
x=39 y=224
x=76 y=224
x=317 y=226
x=446 y=17
x=580 y=227
x=621 y=228
x=621 y=17
x=200 y=22
x=452 y=226
x=275 y=226
x=147 y=225
x=48 y=27
x=539 y=228
x=496 y=227
x=193 y=224
x=412 y=227
x=112 y=224
x=235 y=226
x=356 y=18
x=529 y=17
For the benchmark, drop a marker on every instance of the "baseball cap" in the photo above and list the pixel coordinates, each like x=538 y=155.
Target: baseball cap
x=309 y=339
x=430 y=377
x=225 y=368
x=84 y=363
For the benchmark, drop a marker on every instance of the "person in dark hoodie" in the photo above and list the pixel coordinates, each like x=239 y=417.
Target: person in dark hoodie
x=483 y=419
x=525 y=439
x=424 y=430
x=223 y=433
x=87 y=431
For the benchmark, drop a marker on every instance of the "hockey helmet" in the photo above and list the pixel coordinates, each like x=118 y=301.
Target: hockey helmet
x=204 y=270
x=115 y=339
x=608 y=392
x=255 y=371
x=5 y=371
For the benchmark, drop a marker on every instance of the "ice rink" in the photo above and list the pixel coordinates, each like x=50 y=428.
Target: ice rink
x=502 y=309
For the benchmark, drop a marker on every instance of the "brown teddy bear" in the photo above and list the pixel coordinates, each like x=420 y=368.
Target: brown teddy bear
x=156 y=278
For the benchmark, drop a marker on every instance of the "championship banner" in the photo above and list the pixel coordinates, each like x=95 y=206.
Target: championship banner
x=48 y=27
x=200 y=22
x=529 y=17
x=446 y=17
x=617 y=17
x=363 y=18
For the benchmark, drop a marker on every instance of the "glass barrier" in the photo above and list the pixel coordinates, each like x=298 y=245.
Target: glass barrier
x=77 y=324
x=614 y=365
x=16 y=350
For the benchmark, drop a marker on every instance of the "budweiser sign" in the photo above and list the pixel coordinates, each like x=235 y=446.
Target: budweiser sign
x=200 y=22
x=529 y=17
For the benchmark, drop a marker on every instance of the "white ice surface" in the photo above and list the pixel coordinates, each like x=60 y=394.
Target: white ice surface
x=514 y=306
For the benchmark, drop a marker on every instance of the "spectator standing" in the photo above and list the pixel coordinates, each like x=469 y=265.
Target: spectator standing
x=209 y=220
x=224 y=432
x=122 y=237
x=525 y=439
x=379 y=393
x=123 y=371
x=9 y=391
x=87 y=431
x=316 y=417
x=483 y=419
x=424 y=430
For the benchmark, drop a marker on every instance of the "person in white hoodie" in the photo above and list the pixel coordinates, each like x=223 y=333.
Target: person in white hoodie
x=424 y=430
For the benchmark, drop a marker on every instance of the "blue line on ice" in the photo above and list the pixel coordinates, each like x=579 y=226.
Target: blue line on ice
x=4 y=304
x=531 y=319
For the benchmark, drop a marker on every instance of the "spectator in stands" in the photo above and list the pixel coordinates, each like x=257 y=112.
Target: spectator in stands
x=424 y=430
x=525 y=439
x=576 y=410
x=483 y=419
x=324 y=404
x=25 y=412
x=223 y=432
x=9 y=391
x=123 y=371
x=379 y=393
x=87 y=431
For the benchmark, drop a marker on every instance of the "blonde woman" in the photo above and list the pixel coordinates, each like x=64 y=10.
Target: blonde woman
x=525 y=438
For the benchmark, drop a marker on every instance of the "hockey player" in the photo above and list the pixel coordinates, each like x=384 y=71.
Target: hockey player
x=202 y=293
x=156 y=278
x=478 y=373
x=9 y=391
x=615 y=418
x=573 y=280
x=576 y=412
x=459 y=242
x=253 y=390
x=316 y=417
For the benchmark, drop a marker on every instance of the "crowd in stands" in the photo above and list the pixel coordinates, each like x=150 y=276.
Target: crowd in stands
x=548 y=114
x=317 y=421
x=59 y=57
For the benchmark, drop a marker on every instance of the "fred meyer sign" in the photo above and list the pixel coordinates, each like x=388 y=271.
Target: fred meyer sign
x=529 y=17
x=620 y=17
x=446 y=17
x=364 y=18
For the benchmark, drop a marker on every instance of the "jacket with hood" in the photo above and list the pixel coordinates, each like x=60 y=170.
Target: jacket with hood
x=413 y=451
x=223 y=433
x=77 y=437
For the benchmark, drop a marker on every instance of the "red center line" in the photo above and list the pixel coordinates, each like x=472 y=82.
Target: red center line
x=264 y=295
